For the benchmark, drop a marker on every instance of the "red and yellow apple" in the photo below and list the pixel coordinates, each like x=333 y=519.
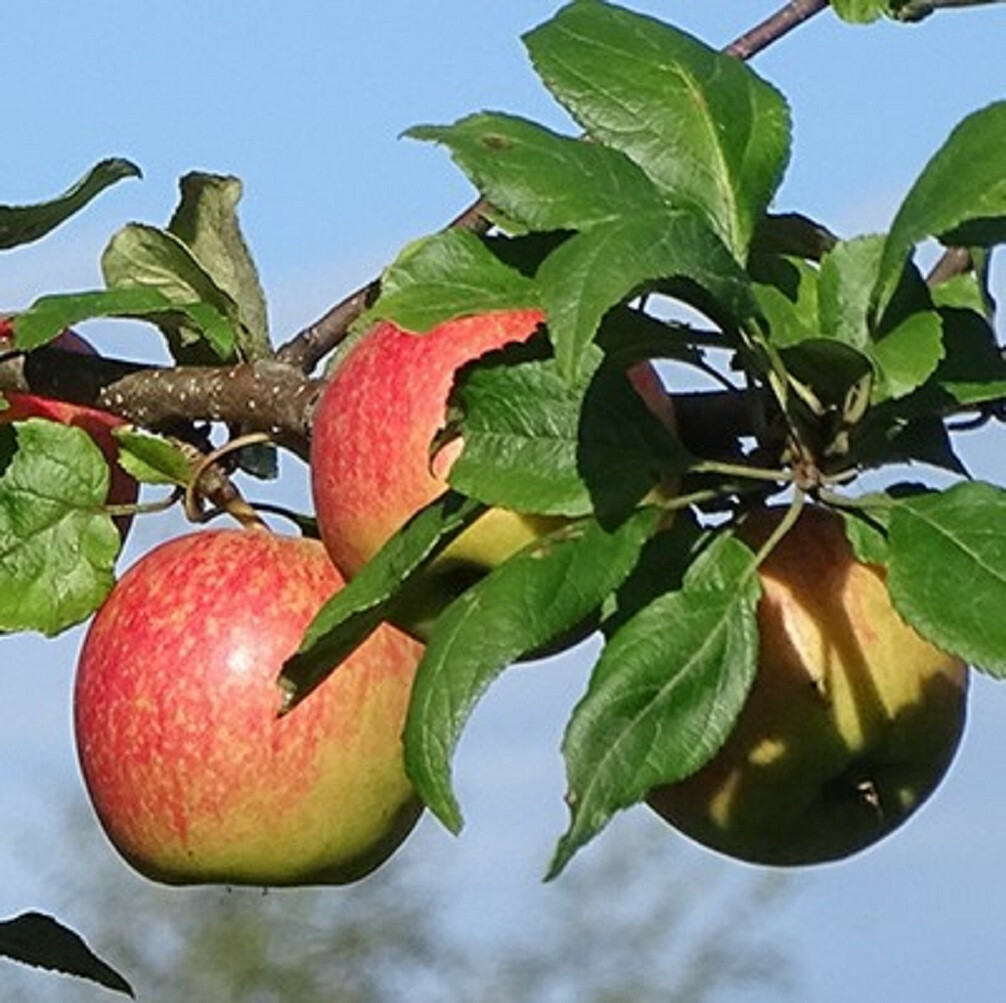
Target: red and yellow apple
x=851 y=723
x=373 y=428
x=122 y=489
x=192 y=773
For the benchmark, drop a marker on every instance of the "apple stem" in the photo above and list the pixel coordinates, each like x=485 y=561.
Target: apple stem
x=229 y=499
x=787 y=522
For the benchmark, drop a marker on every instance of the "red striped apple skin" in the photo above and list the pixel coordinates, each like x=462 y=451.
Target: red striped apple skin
x=190 y=770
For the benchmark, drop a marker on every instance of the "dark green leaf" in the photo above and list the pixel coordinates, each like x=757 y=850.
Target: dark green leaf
x=57 y=547
x=147 y=257
x=707 y=130
x=448 y=275
x=42 y=942
x=948 y=571
x=960 y=197
x=594 y=270
x=23 y=224
x=354 y=612
x=49 y=316
x=974 y=370
x=535 y=443
x=541 y=179
x=539 y=594
x=665 y=693
x=206 y=221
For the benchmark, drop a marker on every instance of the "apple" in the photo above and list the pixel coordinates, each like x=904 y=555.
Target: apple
x=192 y=773
x=122 y=489
x=851 y=723
x=372 y=429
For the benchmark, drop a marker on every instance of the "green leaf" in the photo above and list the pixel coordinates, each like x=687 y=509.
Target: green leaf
x=535 y=443
x=948 y=571
x=49 y=316
x=866 y=531
x=147 y=257
x=906 y=348
x=710 y=133
x=152 y=459
x=57 y=547
x=356 y=610
x=786 y=291
x=524 y=604
x=206 y=221
x=541 y=179
x=860 y=11
x=908 y=355
x=593 y=271
x=664 y=695
x=448 y=275
x=960 y=197
x=24 y=224
x=43 y=942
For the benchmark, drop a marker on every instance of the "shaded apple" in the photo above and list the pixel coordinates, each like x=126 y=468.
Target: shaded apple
x=192 y=774
x=852 y=721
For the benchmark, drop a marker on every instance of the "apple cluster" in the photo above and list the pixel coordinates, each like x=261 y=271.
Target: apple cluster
x=851 y=722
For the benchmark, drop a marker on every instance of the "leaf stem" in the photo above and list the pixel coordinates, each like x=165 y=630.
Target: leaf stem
x=741 y=470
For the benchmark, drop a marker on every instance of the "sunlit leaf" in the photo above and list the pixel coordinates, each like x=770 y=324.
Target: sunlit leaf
x=664 y=695
x=57 y=546
x=948 y=570
x=529 y=601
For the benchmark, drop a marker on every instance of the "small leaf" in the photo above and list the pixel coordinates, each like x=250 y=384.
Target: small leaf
x=206 y=221
x=664 y=695
x=908 y=355
x=49 y=316
x=24 y=224
x=948 y=570
x=860 y=11
x=594 y=270
x=535 y=443
x=541 y=179
x=448 y=275
x=711 y=134
x=151 y=458
x=57 y=547
x=356 y=610
x=960 y=197
x=43 y=942
x=539 y=594
x=145 y=256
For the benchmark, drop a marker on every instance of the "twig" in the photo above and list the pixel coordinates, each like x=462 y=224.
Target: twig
x=774 y=27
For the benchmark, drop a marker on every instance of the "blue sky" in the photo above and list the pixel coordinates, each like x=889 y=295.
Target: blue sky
x=305 y=101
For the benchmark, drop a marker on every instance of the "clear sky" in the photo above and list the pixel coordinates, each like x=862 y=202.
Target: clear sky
x=305 y=101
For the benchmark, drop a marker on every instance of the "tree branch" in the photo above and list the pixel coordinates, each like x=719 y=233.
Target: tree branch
x=264 y=396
